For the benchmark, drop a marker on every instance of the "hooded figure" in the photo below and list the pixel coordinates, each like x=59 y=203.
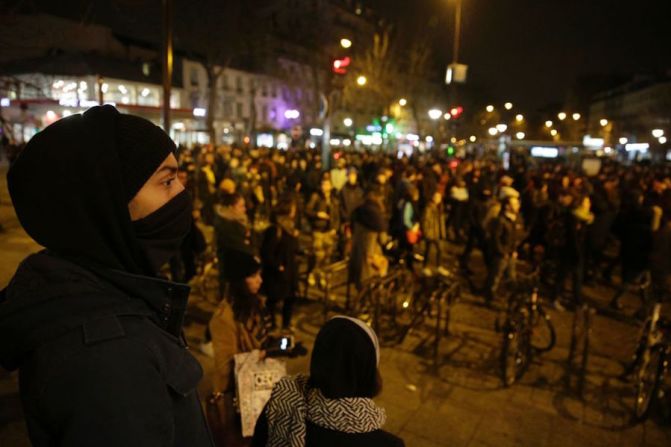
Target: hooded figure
x=334 y=406
x=95 y=335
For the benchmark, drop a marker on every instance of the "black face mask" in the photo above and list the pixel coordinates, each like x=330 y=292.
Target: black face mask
x=161 y=233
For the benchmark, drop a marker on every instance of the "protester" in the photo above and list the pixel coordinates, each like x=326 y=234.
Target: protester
x=99 y=191
x=369 y=236
x=333 y=406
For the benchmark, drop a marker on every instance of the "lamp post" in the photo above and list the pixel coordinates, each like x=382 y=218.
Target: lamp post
x=167 y=62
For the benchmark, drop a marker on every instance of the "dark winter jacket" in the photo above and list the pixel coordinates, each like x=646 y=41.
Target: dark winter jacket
x=278 y=256
x=101 y=357
x=506 y=235
x=351 y=196
x=318 y=203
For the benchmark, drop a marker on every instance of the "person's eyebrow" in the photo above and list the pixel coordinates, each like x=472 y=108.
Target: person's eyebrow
x=171 y=169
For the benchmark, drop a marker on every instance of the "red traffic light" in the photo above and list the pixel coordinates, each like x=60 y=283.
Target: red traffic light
x=340 y=65
x=456 y=111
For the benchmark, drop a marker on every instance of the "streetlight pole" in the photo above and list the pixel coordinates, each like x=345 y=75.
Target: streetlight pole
x=167 y=62
x=457 y=33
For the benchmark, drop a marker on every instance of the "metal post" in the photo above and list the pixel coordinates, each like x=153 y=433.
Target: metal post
x=167 y=61
x=100 y=89
x=457 y=32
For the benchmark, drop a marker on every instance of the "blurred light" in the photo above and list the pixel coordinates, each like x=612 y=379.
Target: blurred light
x=553 y=132
x=313 y=145
x=508 y=105
x=453 y=140
x=501 y=127
x=51 y=115
x=316 y=132
x=346 y=142
x=405 y=304
x=340 y=65
x=334 y=142
x=361 y=80
x=345 y=43
x=662 y=140
x=123 y=89
x=624 y=140
x=347 y=122
x=104 y=87
x=291 y=114
x=561 y=116
x=66 y=113
x=389 y=128
x=447 y=116
x=402 y=102
x=588 y=141
x=603 y=122
x=5 y=102
x=520 y=135
x=473 y=138
x=608 y=150
x=492 y=131
x=548 y=123
x=429 y=139
x=199 y=111
x=180 y=126
x=490 y=108
x=576 y=116
x=58 y=84
x=657 y=133
x=227 y=130
x=519 y=117
x=145 y=91
x=434 y=114
x=412 y=137
x=456 y=111
x=126 y=100
x=83 y=86
x=637 y=147
x=544 y=152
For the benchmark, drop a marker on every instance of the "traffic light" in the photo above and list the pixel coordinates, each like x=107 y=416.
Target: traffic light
x=456 y=111
x=340 y=65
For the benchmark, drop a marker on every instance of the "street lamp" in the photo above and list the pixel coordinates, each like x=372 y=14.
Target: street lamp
x=473 y=138
x=447 y=116
x=501 y=127
x=561 y=116
x=492 y=131
x=662 y=140
x=576 y=116
x=347 y=122
x=402 y=102
x=519 y=118
x=508 y=105
x=490 y=108
x=553 y=132
x=624 y=140
x=345 y=43
x=520 y=135
x=361 y=80
x=603 y=122
x=548 y=124
x=657 y=133
x=434 y=114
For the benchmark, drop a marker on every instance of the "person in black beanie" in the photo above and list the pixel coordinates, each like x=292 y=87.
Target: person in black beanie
x=95 y=335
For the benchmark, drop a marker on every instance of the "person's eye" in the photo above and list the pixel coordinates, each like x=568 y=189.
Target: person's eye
x=169 y=181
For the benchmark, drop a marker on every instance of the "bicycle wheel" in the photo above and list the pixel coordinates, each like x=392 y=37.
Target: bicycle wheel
x=516 y=352
x=649 y=378
x=544 y=335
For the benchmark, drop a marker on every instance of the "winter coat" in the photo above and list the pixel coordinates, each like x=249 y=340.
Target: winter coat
x=101 y=356
x=351 y=196
x=369 y=227
x=433 y=222
x=278 y=256
x=316 y=204
x=505 y=235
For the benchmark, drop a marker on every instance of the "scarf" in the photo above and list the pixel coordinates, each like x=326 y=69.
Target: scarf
x=293 y=402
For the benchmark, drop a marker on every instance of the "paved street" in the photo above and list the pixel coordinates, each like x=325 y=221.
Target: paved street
x=460 y=404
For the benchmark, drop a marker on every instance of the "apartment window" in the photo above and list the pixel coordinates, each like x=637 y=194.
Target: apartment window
x=227 y=108
x=238 y=84
x=264 y=89
x=238 y=109
x=224 y=82
x=273 y=90
x=194 y=76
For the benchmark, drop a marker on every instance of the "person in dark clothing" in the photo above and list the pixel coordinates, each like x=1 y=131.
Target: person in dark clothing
x=476 y=236
x=95 y=334
x=232 y=233
x=278 y=257
x=333 y=406
x=369 y=228
x=351 y=196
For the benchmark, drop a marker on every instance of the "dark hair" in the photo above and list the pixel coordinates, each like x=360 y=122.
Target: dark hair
x=244 y=303
x=284 y=207
x=230 y=199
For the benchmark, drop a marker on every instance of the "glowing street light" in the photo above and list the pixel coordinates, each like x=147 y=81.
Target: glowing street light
x=473 y=138
x=657 y=133
x=561 y=116
x=553 y=132
x=603 y=122
x=508 y=105
x=519 y=118
x=662 y=140
x=361 y=80
x=345 y=43
x=492 y=131
x=347 y=122
x=520 y=135
x=624 y=140
x=501 y=127
x=402 y=102
x=548 y=123
x=447 y=116
x=576 y=116
x=490 y=108
x=434 y=114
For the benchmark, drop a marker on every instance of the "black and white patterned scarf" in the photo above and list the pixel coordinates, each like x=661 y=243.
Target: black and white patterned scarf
x=293 y=402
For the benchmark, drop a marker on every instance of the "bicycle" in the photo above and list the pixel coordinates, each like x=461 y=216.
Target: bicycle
x=580 y=341
x=651 y=362
x=525 y=321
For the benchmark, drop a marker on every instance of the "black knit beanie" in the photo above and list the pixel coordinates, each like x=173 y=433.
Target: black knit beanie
x=240 y=265
x=142 y=147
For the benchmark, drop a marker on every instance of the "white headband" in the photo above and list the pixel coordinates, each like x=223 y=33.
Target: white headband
x=370 y=333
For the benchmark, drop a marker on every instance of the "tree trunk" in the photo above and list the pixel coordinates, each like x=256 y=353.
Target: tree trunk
x=251 y=130
x=213 y=75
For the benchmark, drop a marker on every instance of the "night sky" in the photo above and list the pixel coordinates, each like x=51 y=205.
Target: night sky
x=526 y=51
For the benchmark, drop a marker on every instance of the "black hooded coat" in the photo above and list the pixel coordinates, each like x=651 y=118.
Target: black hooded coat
x=96 y=337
